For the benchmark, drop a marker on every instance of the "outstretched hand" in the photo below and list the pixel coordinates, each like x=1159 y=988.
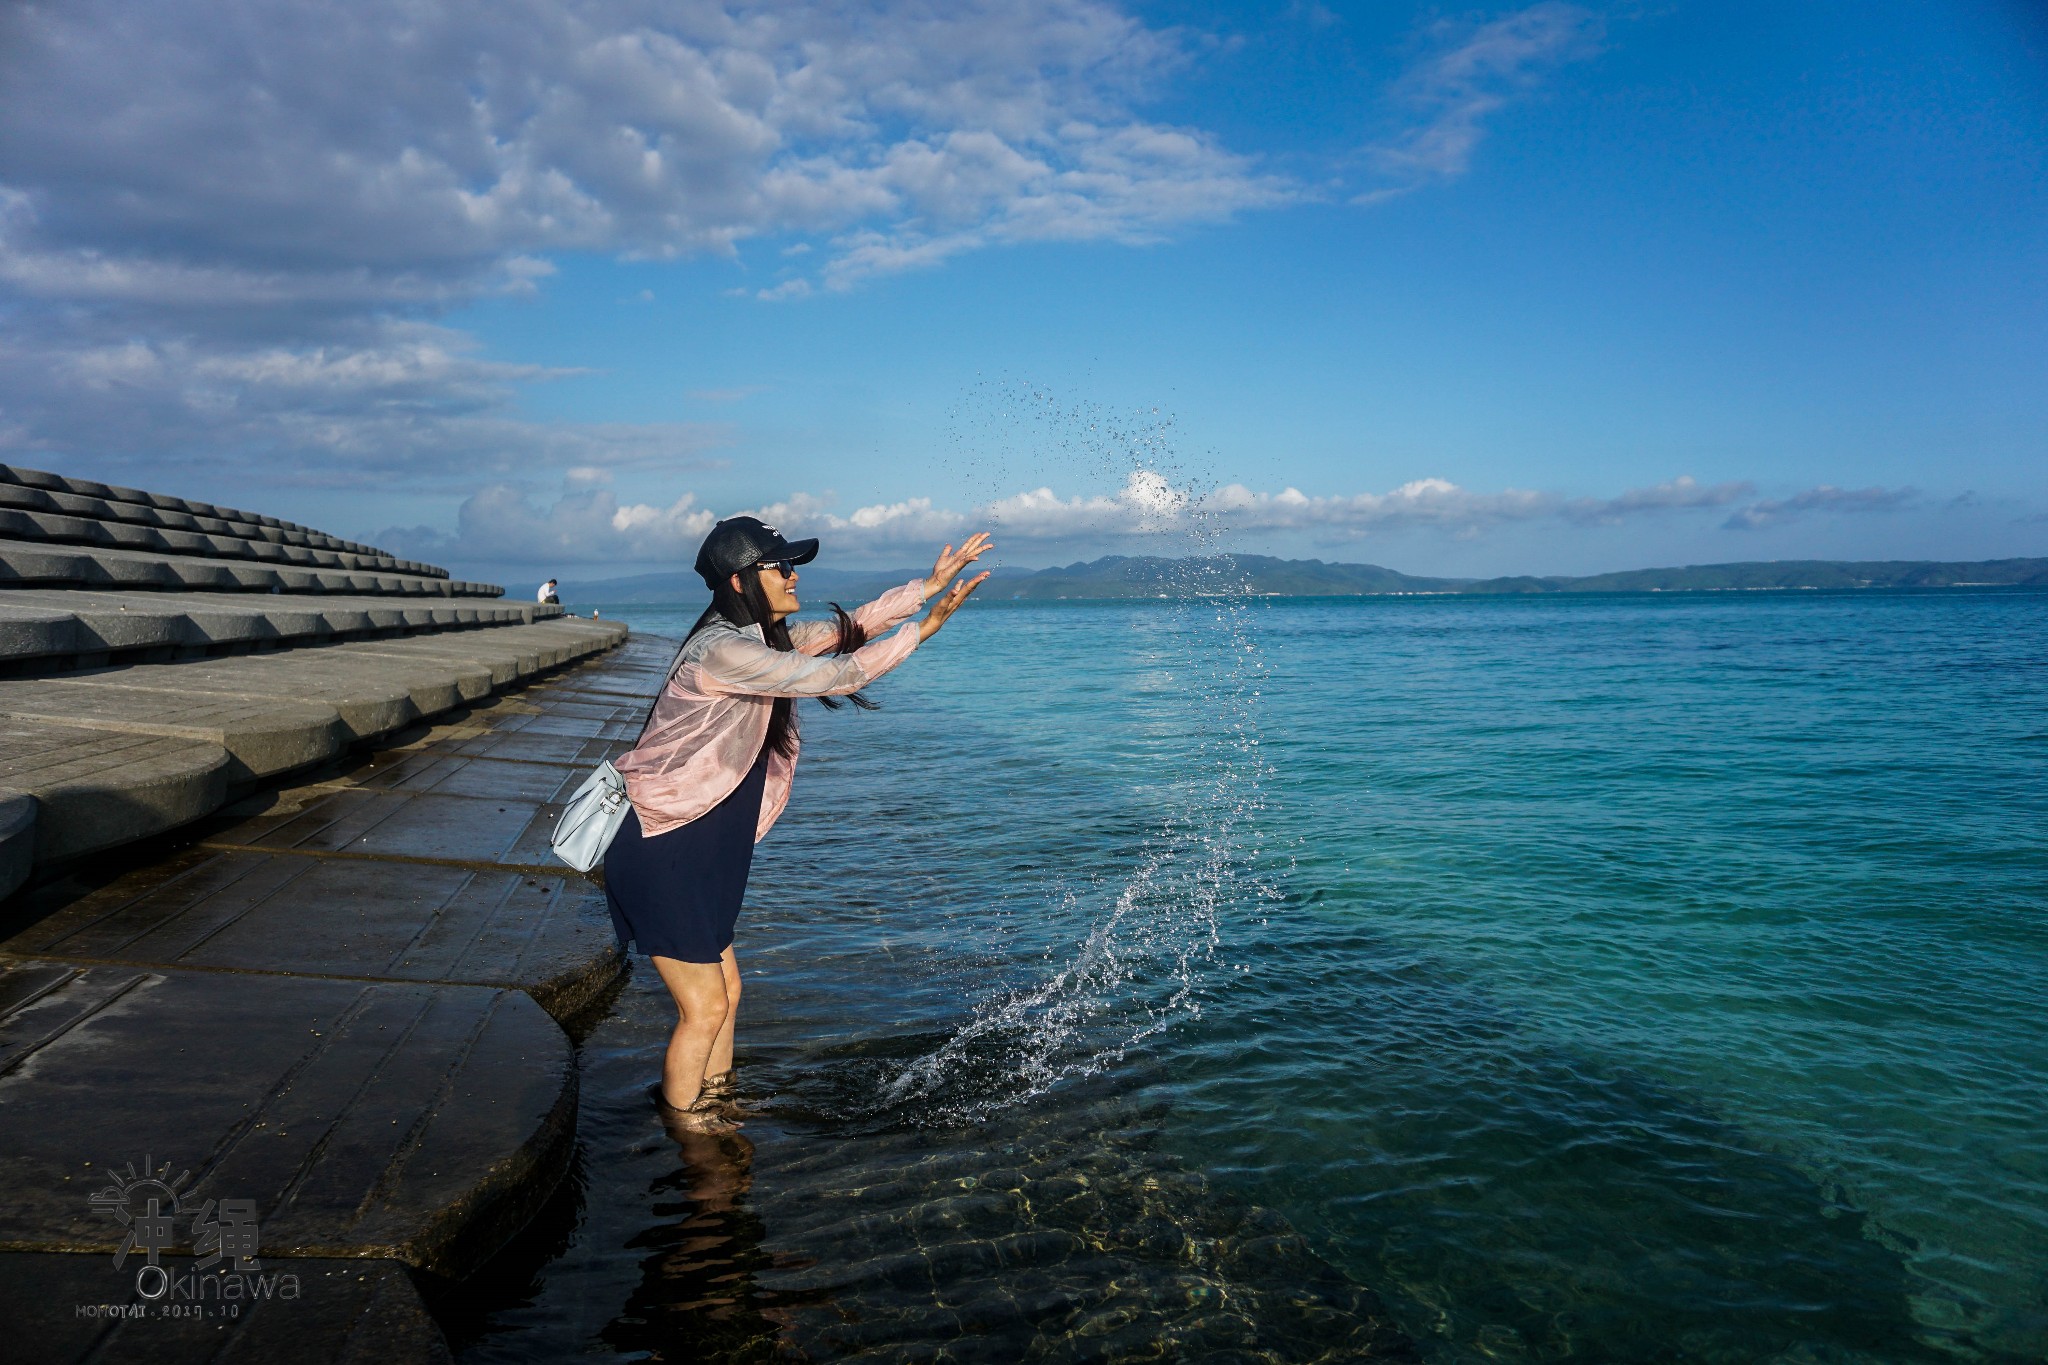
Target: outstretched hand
x=952 y=561
x=947 y=604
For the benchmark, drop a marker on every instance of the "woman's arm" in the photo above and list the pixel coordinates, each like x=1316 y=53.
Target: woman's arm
x=745 y=666
x=898 y=604
x=742 y=664
x=891 y=608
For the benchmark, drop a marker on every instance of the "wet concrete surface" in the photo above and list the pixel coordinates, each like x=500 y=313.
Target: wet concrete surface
x=425 y=825
x=363 y=1118
x=341 y=999
x=545 y=934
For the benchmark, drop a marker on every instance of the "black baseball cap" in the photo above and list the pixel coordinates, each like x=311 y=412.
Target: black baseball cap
x=742 y=542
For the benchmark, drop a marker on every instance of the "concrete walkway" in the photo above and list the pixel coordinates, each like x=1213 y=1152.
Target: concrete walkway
x=342 y=1000
x=113 y=755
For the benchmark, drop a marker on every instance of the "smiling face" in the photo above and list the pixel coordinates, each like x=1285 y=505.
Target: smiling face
x=779 y=592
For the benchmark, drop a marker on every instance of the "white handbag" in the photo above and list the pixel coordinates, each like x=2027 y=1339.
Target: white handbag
x=589 y=822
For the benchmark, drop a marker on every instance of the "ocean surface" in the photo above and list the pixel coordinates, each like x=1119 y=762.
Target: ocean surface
x=1606 y=978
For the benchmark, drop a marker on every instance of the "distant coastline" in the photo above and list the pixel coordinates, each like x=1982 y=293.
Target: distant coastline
x=1118 y=577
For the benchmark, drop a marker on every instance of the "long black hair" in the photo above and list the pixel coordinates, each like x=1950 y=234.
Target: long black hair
x=749 y=607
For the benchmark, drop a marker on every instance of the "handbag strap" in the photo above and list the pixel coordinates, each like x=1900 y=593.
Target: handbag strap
x=673 y=669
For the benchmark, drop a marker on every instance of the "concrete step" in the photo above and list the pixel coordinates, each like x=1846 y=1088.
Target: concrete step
x=42 y=564
x=95 y=789
x=424 y=827
x=66 y=1309
x=506 y=656
x=52 y=624
x=415 y=1123
x=64 y=528
x=41 y=492
x=262 y=736
x=120 y=754
x=59 y=483
x=372 y=697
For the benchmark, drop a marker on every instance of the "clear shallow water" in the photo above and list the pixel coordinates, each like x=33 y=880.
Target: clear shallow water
x=1628 y=978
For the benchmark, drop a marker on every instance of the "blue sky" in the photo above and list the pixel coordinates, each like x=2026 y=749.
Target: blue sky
x=543 y=288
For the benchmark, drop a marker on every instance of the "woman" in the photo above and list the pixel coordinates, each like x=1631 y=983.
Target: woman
x=713 y=767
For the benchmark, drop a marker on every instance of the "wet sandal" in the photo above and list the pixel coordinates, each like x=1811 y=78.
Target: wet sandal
x=700 y=1117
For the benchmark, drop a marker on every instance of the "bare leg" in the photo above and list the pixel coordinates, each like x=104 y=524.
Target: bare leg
x=699 y=991
x=720 y=1061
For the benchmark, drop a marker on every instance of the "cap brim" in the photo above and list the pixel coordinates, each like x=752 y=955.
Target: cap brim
x=801 y=551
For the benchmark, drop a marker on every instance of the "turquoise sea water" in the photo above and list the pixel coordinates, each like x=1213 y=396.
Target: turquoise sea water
x=1597 y=978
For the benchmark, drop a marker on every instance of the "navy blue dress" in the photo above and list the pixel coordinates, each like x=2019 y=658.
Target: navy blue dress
x=678 y=894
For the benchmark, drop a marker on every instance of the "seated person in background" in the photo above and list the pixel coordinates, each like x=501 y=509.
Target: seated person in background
x=548 y=595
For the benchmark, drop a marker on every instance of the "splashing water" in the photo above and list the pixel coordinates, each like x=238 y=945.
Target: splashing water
x=1155 y=925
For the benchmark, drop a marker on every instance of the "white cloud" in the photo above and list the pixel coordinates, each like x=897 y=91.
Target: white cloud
x=502 y=523
x=1825 y=498
x=1444 y=505
x=407 y=404
x=1148 y=513
x=221 y=224
x=1421 y=502
x=1475 y=72
x=1680 y=494
x=172 y=154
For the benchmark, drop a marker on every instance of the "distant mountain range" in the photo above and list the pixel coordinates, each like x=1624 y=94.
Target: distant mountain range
x=1118 y=576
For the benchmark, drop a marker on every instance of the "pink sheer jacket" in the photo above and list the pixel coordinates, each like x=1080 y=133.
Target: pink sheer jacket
x=711 y=720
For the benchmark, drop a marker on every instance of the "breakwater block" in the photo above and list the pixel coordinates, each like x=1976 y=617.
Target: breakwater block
x=415 y=1123
x=63 y=1309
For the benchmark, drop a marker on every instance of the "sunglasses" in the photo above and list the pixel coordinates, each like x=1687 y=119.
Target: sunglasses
x=785 y=567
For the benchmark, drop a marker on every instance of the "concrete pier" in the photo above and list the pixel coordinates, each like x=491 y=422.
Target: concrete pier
x=285 y=942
